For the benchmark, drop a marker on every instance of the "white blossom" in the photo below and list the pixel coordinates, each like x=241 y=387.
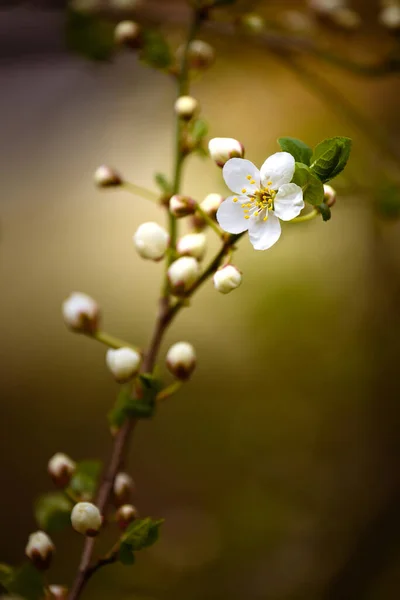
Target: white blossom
x=192 y=244
x=123 y=363
x=227 y=278
x=261 y=198
x=81 y=313
x=222 y=149
x=151 y=241
x=61 y=468
x=40 y=549
x=186 y=107
x=182 y=273
x=181 y=360
x=86 y=519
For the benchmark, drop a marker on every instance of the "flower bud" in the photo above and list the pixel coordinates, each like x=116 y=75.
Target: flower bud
x=105 y=177
x=128 y=33
x=200 y=55
x=182 y=273
x=227 y=278
x=181 y=360
x=40 y=550
x=58 y=592
x=186 y=107
x=327 y=6
x=390 y=16
x=125 y=515
x=192 y=244
x=222 y=149
x=123 y=363
x=81 y=313
x=182 y=206
x=61 y=468
x=123 y=488
x=151 y=241
x=86 y=519
x=329 y=195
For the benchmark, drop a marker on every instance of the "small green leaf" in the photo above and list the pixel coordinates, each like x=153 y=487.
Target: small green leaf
x=52 y=511
x=199 y=130
x=139 y=408
x=163 y=183
x=313 y=190
x=85 y=479
x=298 y=149
x=155 y=51
x=26 y=582
x=330 y=157
x=89 y=35
x=142 y=533
x=126 y=555
x=325 y=211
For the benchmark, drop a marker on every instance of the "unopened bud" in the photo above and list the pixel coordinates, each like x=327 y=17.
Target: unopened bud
x=58 y=592
x=105 y=177
x=329 y=195
x=81 y=313
x=390 y=16
x=186 y=107
x=182 y=206
x=209 y=205
x=40 y=550
x=326 y=6
x=222 y=149
x=123 y=488
x=123 y=363
x=151 y=241
x=125 y=515
x=253 y=22
x=192 y=244
x=182 y=273
x=128 y=33
x=61 y=468
x=200 y=55
x=86 y=519
x=181 y=360
x=227 y=279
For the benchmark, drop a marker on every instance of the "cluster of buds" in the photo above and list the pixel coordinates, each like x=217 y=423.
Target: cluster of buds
x=123 y=363
x=40 y=550
x=61 y=469
x=81 y=313
x=86 y=519
x=181 y=360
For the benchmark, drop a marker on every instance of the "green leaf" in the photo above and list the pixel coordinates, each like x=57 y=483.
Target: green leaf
x=313 y=190
x=155 y=51
x=199 y=130
x=325 y=211
x=298 y=149
x=142 y=533
x=52 y=511
x=126 y=555
x=89 y=35
x=139 y=408
x=85 y=479
x=330 y=157
x=26 y=581
x=163 y=183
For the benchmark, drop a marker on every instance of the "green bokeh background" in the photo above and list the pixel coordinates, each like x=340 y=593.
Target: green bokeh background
x=277 y=467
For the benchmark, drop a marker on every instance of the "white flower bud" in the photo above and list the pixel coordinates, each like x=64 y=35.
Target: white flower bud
x=222 y=149
x=200 y=55
x=123 y=488
x=128 y=33
x=81 y=313
x=329 y=195
x=125 y=515
x=209 y=205
x=192 y=244
x=186 y=107
x=181 y=360
x=86 y=519
x=181 y=206
x=182 y=273
x=123 y=363
x=58 y=592
x=105 y=177
x=151 y=241
x=390 y=16
x=40 y=550
x=227 y=279
x=61 y=468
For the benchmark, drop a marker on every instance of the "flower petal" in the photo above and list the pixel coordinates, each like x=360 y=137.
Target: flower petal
x=288 y=202
x=277 y=170
x=239 y=174
x=230 y=215
x=264 y=234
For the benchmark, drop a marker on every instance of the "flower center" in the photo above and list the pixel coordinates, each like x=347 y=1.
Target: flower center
x=260 y=203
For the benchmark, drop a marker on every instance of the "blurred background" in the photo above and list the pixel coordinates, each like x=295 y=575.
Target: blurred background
x=277 y=467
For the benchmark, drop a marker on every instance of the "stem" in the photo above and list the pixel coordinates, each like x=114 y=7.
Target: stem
x=210 y=222
x=140 y=191
x=308 y=217
x=110 y=340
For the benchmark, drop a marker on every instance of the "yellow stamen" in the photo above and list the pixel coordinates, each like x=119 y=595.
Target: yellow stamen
x=243 y=190
x=246 y=217
x=252 y=182
x=249 y=177
x=265 y=218
x=235 y=199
